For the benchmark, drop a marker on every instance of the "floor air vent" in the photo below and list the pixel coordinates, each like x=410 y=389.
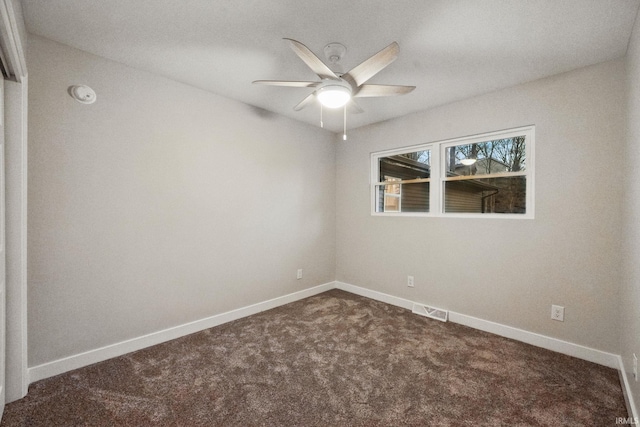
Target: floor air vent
x=434 y=313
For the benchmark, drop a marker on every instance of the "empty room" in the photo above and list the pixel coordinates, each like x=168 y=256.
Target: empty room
x=294 y=213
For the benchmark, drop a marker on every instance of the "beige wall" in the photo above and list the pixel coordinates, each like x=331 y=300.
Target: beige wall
x=630 y=294
x=162 y=204
x=506 y=271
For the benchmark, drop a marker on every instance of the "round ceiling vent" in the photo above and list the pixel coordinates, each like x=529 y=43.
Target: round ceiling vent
x=83 y=94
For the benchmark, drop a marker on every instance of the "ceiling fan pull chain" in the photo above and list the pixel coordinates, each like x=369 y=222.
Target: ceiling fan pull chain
x=344 y=134
x=321 y=122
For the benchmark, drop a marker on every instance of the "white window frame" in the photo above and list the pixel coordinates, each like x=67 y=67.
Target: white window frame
x=438 y=174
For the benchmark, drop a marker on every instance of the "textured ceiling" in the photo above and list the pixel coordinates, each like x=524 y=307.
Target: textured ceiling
x=449 y=49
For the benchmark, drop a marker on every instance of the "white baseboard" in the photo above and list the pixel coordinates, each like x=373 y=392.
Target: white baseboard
x=553 y=344
x=378 y=296
x=559 y=346
x=76 y=361
x=626 y=390
x=60 y=366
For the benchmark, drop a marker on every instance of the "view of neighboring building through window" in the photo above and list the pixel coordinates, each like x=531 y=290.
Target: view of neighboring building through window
x=392 y=196
x=483 y=174
x=486 y=177
x=413 y=171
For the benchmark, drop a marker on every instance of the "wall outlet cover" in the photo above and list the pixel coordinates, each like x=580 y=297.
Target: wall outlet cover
x=557 y=313
x=410 y=281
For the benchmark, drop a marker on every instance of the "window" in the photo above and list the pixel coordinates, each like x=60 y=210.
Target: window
x=403 y=182
x=489 y=175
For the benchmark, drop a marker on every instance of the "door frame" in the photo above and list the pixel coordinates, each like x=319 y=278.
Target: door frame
x=13 y=38
x=16 y=362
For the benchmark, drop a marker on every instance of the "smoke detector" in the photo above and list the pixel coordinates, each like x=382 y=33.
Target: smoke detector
x=83 y=94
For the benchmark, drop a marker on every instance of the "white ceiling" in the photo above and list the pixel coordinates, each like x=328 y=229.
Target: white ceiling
x=449 y=49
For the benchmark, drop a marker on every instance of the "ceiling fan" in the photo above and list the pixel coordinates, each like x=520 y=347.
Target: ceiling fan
x=336 y=89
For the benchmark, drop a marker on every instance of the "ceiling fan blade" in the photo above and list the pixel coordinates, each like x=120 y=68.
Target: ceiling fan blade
x=312 y=61
x=308 y=100
x=370 y=67
x=382 y=90
x=286 y=83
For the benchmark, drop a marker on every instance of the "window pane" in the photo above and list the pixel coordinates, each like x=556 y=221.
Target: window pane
x=391 y=203
x=405 y=166
x=413 y=197
x=391 y=195
x=488 y=195
x=482 y=158
x=391 y=188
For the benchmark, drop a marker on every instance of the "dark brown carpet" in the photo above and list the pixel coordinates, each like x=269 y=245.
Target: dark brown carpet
x=330 y=360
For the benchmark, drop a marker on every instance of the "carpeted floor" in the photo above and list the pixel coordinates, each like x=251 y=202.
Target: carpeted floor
x=335 y=359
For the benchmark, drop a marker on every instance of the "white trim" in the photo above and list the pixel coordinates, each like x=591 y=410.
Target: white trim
x=23 y=236
x=66 y=364
x=378 y=296
x=16 y=380
x=626 y=390
x=543 y=341
x=11 y=38
x=14 y=38
x=581 y=352
x=76 y=361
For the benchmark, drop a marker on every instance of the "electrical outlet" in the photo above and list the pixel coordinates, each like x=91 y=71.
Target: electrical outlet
x=557 y=313
x=410 y=281
x=635 y=367
x=299 y=275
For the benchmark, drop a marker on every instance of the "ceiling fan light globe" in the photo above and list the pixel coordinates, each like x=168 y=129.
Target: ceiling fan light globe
x=334 y=96
x=468 y=161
